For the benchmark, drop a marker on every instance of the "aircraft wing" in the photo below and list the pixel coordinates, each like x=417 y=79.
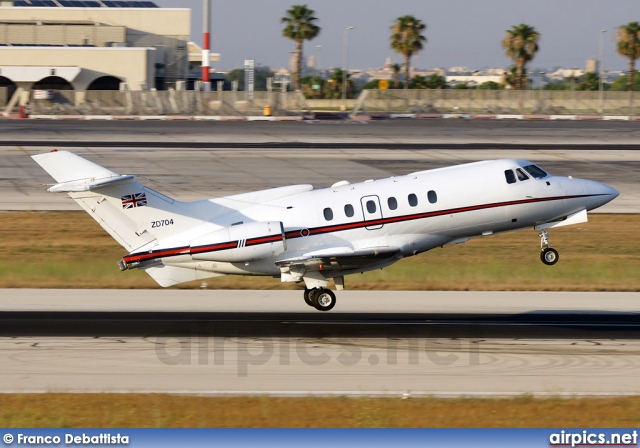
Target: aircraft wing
x=338 y=258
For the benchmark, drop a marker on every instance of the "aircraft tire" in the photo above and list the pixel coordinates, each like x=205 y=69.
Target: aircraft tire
x=549 y=256
x=324 y=299
x=308 y=296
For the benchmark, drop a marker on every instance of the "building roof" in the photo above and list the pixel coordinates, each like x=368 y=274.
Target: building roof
x=84 y=4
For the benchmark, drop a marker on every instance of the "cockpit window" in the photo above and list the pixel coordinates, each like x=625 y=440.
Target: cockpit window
x=521 y=175
x=535 y=171
x=511 y=178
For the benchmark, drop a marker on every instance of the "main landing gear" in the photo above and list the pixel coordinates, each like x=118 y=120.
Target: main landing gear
x=322 y=299
x=548 y=255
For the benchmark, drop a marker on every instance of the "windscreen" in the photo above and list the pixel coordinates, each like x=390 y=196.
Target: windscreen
x=535 y=171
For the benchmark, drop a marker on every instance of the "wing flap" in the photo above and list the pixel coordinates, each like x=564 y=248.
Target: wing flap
x=339 y=258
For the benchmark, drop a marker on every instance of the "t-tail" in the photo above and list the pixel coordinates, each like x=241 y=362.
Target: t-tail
x=134 y=215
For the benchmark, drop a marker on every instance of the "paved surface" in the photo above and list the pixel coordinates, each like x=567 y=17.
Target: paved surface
x=374 y=343
x=192 y=174
x=196 y=173
x=391 y=132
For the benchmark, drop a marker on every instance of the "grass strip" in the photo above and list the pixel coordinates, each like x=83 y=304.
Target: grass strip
x=156 y=410
x=70 y=250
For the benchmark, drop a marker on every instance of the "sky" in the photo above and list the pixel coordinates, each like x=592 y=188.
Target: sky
x=459 y=32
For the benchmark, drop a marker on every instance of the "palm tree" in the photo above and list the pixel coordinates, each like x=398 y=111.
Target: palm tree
x=510 y=76
x=396 y=75
x=407 y=40
x=521 y=43
x=299 y=26
x=629 y=46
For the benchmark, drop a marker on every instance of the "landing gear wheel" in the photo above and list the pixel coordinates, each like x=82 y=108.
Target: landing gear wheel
x=549 y=256
x=324 y=299
x=308 y=296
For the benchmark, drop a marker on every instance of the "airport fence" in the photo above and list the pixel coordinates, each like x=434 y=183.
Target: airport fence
x=496 y=102
x=281 y=104
x=168 y=102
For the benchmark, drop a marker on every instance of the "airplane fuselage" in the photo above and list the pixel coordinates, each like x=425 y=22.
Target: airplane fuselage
x=414 y=213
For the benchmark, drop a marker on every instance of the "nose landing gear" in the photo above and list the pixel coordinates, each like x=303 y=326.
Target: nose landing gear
x=548 y=255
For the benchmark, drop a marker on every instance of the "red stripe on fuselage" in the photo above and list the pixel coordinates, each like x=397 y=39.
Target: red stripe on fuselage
x=263 y=240
x=213 y=247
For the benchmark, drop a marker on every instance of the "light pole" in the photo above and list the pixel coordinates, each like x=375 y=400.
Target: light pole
x=343 y=106
x=601 y=84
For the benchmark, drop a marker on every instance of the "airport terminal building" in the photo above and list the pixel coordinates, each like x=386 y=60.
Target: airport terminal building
x=93 y=45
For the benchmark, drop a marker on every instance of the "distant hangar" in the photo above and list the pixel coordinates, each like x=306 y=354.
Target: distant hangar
x=94 y=45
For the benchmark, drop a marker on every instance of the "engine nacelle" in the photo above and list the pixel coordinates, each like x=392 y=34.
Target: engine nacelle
x=240 y=243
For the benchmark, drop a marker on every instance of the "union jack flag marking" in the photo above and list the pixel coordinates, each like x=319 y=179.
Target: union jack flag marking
x=134 y=200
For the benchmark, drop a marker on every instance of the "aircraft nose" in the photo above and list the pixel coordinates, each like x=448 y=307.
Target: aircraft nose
x=600 y=193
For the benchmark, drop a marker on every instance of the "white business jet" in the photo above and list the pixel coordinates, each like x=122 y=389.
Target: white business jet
x=301 y=234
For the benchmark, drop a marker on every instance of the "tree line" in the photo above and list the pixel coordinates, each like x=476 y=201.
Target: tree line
x=521 y=44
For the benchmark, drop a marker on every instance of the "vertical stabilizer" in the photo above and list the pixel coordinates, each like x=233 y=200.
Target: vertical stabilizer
x=134 y=215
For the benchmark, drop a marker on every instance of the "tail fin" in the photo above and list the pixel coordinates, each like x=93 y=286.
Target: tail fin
x=134 y=215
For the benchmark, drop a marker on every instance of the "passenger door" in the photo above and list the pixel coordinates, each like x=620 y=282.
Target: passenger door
x=371 y=210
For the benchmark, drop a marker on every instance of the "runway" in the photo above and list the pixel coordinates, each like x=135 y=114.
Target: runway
x=270 y=342
x=283 y=314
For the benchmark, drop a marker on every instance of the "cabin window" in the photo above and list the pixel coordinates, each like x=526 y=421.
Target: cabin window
x=432 y=196
x=371 y=207
x=348 y=210
x=521 y=175
x=413 y=200
x=328 y=214
x=535 y=171
x=511 y=178
x=392 y=203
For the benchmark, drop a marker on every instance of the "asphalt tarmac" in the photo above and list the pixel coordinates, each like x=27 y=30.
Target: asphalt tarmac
x=390 y=132
x=270 y=342
x=198 y=160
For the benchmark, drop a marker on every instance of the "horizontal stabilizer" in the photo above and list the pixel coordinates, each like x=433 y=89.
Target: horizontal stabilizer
x=65 y=166
x=88 y=184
